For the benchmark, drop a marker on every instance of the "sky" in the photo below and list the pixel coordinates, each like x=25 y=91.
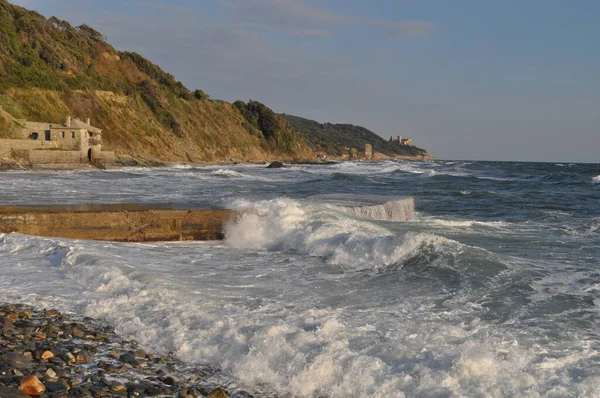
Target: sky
x=466 y=79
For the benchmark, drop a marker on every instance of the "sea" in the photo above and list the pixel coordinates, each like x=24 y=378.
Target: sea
x=492 y=290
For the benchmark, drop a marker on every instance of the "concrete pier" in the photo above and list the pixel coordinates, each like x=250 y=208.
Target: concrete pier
x=119 y=223
x=154 y=223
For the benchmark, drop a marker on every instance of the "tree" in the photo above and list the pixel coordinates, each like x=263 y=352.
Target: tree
x=201 y=95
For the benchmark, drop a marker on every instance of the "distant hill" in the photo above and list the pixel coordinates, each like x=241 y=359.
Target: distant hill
x=50 y=69
x=334 y=138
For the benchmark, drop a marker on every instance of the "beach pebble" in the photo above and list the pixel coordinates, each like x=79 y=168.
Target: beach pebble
x=32 y=385
x=96 y=364
x=15 y=360
x=47 y=355
x=218 y=393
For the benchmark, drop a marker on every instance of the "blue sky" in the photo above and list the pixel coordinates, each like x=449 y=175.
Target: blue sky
x=466 y=79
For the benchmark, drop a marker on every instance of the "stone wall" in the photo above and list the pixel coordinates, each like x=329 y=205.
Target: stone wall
x=8 y=145
x=71 y=141
x=105 y=157
x=54 y=157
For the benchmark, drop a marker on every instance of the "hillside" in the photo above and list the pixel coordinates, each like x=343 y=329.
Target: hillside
x=334 y=138
x=49 y=69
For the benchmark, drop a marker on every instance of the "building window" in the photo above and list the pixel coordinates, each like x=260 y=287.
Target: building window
x=34 y=136
x=73 y=134
x=62 y=134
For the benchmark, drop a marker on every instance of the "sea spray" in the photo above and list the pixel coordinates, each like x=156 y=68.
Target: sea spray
x=373 y=207
x=286 y=225
x=499 y=299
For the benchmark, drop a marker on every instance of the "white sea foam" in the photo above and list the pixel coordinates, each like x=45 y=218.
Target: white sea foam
x=287 y=331
x=470 y=223
x=181 y=166
x=228 y=173
x=305 y=300
x=284 y=224
x=596 y=180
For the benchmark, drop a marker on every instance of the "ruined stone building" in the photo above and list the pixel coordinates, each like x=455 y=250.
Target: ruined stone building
x=405 y=141
x=46 y=145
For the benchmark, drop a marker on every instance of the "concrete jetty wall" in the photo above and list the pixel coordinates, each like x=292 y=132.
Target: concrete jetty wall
x=152 y=223
x=115 y=224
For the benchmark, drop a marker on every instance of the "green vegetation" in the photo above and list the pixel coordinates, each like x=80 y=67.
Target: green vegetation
x=275 y=129
x=333 y=139
x=49 y=69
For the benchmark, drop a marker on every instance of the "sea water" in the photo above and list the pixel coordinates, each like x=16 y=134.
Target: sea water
x=492 y=290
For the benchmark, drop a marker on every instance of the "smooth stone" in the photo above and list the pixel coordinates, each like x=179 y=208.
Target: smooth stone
x=14 y=360
x=139 y=354
x=170 y=380
x=218 y=393
x=55 y=387
x=32 y=385
x=47 y=355
x=129 y=358
x=83 y=357
x=9 y=392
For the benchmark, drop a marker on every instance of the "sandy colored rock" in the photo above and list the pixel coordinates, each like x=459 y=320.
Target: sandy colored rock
x=218 y=393
x=12 y=317
x=47 y=355
x=31 y=385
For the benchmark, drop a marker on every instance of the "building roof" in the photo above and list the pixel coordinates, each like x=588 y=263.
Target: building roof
x=76 y=124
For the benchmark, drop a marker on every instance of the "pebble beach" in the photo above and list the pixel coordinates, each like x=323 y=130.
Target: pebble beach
x=46 y=353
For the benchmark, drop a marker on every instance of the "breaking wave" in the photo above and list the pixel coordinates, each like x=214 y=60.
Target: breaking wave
x=228 y=173
x=286 y=225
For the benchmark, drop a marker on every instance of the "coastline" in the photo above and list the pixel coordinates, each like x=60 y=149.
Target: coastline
x=66 y=355
x=11 y=165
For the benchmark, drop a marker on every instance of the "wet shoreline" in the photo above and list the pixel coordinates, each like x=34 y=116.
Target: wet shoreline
x=64 y=355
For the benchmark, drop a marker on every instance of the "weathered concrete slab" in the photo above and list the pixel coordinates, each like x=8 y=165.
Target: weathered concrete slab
x=120 y=223
x=152 y=223
x=373 y=206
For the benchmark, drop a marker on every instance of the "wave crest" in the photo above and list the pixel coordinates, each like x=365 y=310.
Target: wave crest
x=285 y=225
